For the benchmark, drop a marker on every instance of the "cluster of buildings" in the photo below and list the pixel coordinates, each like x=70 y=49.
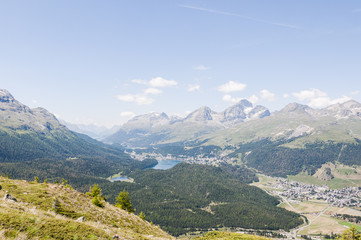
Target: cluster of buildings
x=199 y=159
x=348 y=196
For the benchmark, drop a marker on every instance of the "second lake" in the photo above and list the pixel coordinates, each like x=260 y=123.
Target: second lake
x=165 y=164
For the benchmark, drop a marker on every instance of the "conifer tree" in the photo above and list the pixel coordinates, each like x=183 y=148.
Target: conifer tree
x=123 y=201
x=96 y=193
x=142 y=215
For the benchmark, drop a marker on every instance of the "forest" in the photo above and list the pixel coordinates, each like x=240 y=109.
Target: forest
x=200 y=197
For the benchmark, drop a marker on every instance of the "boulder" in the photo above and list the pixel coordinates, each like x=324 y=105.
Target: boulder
x=9 y=197
x=81 y=219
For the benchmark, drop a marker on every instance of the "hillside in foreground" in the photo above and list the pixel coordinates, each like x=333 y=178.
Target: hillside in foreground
x=229 y=236
x=32 y=215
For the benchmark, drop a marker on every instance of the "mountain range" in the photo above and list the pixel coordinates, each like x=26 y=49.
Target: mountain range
x=159 y=128
x=298 y=125
x=242 y=123
x=298 y=137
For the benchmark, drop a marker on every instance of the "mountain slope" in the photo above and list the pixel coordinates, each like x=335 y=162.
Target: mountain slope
x=32 y=216
x=33 y=141
x=27 y=134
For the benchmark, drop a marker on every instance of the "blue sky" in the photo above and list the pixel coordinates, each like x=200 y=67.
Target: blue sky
x=104 y=61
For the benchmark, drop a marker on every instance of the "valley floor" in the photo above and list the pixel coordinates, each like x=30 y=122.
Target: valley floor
x=323 y=218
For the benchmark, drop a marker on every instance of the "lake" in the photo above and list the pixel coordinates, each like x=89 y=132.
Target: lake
x=120 y=179
x=162 y=165
x=165 y=164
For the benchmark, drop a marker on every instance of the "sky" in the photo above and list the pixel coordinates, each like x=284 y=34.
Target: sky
x=103 y=62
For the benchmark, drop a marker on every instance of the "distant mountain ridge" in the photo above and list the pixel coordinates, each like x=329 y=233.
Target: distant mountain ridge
x=156 y=128
x=94 y=131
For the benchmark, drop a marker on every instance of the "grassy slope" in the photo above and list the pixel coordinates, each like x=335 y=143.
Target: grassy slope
x=229 y=236
x=32 y=216
x=278 y=127
x=343 y=176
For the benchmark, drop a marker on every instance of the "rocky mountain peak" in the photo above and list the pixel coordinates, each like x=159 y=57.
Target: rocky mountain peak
x=347 y=109
x=147 y=121
x=17 y=116
x=245 y=103
x=295 y=107
x=201 y=114
x=243 y=110
x=351 y=104
x=5 y=96
x=259 y=112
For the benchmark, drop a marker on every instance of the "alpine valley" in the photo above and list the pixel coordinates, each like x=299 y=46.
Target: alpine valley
x=297 y=138
x=227 y=158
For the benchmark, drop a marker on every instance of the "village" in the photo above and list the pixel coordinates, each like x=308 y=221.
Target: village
x=345 y=197
x=199 y=159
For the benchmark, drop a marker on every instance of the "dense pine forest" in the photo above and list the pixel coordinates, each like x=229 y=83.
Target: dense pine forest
x=199 y=197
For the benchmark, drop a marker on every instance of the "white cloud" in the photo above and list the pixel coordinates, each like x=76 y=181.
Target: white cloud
x=341 y=100
x=232 y=86
x=156 y=82
x=139 y=81
x=126 y=98
x=309 y=94
x=192 y=88
x=127 y=114
x=139 y=99
x=142 y=98
x=161 y=82
x=201 y=68
x=286 y=95
x=253 y=99
x=317 y=99
x=265 y=94
x=229 y=98
x=357 y=92
x=153 y=91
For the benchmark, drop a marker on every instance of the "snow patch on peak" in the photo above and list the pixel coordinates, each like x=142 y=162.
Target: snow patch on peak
x=247 y=110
